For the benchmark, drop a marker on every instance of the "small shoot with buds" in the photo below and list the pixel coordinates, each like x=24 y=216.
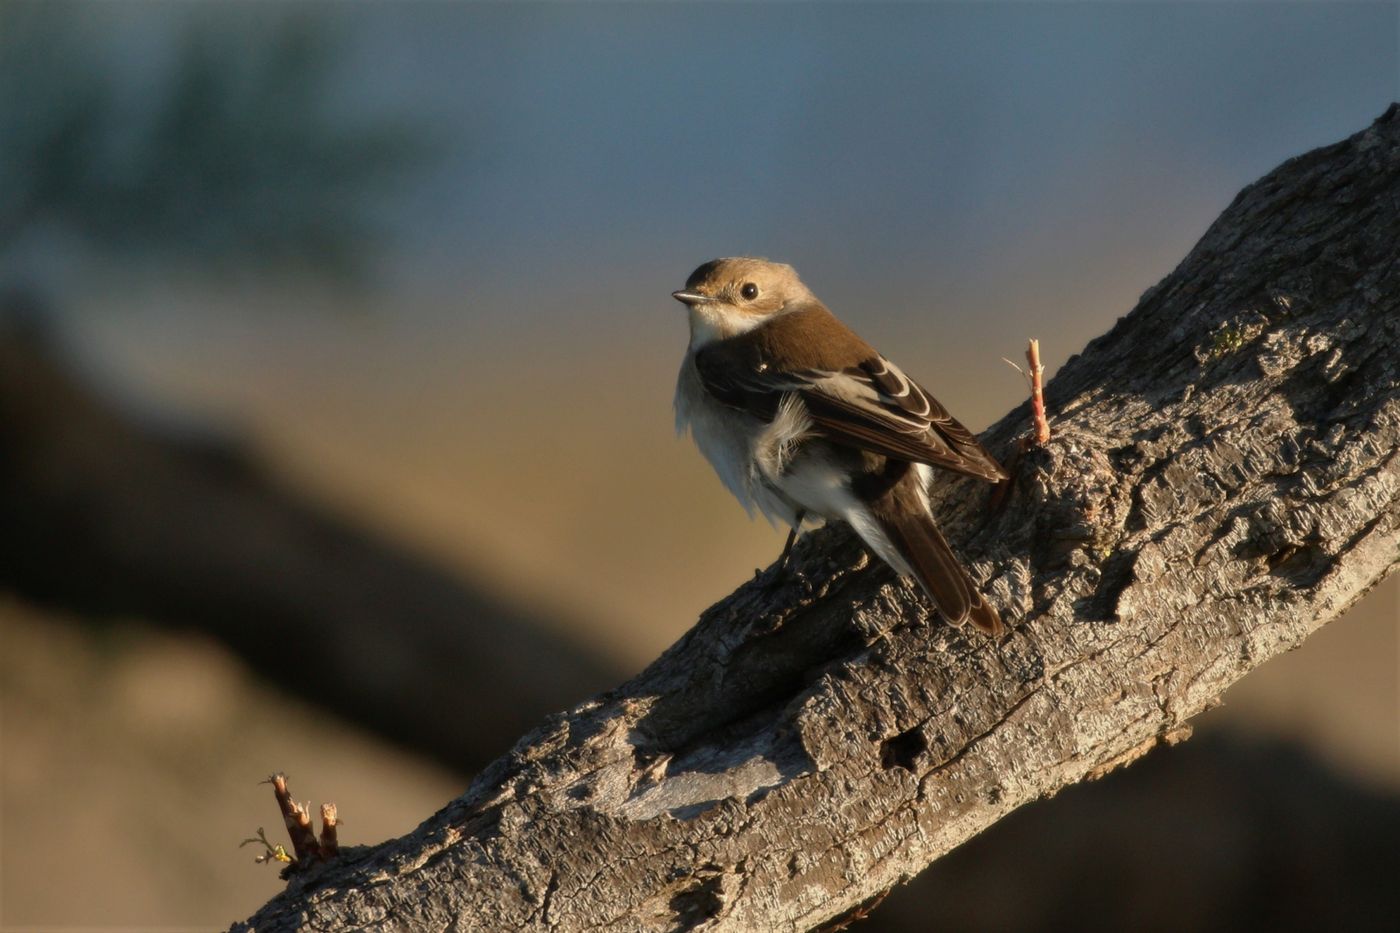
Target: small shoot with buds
x=306 y=847
x=272 y=853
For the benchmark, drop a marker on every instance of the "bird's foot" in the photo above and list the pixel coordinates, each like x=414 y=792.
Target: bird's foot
x=783 y=574
x=782 y=569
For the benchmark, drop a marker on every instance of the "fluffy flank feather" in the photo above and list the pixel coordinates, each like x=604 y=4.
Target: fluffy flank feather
x=781 y=439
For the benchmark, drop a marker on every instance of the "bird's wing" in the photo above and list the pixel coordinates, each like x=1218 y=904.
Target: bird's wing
x=872 y=406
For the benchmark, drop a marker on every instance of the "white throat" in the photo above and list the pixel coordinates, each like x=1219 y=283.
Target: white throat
x=712 y=321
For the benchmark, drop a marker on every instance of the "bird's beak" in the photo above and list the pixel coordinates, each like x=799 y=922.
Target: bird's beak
x=690 y=298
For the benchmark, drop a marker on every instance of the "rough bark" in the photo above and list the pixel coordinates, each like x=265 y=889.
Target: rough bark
x=1224 y=480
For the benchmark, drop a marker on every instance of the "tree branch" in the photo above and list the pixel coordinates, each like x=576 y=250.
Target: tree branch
x=1223 y=480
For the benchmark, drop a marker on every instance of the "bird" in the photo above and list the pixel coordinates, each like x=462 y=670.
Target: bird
x=802 y=419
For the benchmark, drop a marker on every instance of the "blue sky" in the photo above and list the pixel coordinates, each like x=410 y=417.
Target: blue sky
x=865 y=139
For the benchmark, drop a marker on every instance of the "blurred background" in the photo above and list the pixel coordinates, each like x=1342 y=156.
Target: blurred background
x=336 y=358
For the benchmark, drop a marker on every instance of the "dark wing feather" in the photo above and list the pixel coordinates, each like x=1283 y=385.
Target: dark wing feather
x=914 y=534
x=873 y=407
x=876 y=407
x=743 y=381
x=893 y=385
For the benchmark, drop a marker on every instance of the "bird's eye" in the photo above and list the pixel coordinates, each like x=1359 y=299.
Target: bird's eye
x=749 y=291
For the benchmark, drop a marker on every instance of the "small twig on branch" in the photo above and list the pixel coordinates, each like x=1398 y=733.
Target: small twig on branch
x=1035 y=379
x=1040 y=426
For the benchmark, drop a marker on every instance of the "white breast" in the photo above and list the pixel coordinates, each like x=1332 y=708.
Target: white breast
x=768 y=466
x=724 y=436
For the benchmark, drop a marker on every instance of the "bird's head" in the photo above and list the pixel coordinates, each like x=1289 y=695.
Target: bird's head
x=727 y=297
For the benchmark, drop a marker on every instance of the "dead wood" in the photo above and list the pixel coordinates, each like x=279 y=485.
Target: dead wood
x=1222 y=481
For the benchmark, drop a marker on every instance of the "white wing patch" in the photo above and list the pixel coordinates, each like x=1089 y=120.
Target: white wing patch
x=883 y=371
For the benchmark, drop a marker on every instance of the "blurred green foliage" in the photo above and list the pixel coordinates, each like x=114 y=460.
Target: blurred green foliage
x=230 y=158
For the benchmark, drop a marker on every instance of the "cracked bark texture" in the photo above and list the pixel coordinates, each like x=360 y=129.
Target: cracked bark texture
x=1224 y=480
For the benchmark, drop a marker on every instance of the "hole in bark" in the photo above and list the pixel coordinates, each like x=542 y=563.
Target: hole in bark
x=1128 y=459
x=1302 y=564
x=903 y=750
x=698 y=903
x=1116 y=573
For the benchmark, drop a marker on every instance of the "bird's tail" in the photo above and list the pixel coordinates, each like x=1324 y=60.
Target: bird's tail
x=914 y=535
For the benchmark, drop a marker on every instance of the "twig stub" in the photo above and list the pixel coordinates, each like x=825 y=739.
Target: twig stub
x=306 y=848
x=298 y=821
x=330 y=846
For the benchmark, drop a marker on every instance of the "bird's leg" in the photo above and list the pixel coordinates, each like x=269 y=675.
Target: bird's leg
x=791 y=539
x=785 y=559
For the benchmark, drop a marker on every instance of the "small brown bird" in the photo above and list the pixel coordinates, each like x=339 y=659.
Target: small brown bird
x=801 y=418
